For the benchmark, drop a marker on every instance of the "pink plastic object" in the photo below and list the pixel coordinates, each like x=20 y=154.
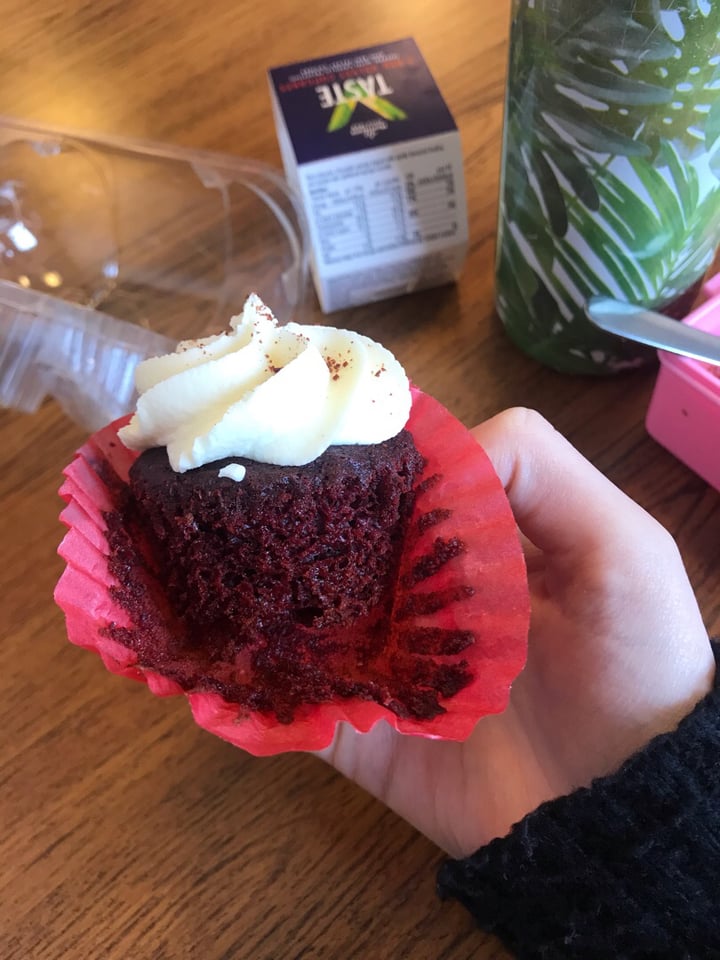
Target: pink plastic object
x=684 y=412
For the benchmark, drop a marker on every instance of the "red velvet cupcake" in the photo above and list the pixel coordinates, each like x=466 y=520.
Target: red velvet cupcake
x=374 y=581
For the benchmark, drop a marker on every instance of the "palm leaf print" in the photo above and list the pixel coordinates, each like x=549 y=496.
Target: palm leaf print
x=611 y=167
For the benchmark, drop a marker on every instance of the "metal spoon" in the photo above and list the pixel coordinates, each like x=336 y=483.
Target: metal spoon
x=654 y=329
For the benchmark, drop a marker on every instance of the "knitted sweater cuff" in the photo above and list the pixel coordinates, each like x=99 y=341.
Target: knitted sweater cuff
x=625 y=868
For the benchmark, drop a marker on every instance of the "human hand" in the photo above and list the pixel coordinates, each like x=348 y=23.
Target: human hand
x=618 y=654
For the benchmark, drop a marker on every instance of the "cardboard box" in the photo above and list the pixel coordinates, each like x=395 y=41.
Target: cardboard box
x=370 y=146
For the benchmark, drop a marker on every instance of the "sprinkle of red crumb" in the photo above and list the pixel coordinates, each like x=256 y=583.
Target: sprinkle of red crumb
x=334 y=366
x=271 y=367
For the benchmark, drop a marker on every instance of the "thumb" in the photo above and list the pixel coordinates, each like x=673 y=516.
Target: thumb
x=561 y=503
x=605 y=559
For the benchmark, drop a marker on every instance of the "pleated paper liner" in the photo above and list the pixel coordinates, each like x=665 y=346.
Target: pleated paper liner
x=479 y=594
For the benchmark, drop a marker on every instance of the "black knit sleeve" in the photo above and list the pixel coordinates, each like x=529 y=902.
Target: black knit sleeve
x=627 y=868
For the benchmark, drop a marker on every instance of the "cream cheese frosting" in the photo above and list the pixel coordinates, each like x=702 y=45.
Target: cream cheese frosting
x=272 y=394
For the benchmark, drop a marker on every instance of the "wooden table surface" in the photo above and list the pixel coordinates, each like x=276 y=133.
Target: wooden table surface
x=125 y=830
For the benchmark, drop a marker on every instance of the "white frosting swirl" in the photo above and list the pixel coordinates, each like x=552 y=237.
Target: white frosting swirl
x=273 y=394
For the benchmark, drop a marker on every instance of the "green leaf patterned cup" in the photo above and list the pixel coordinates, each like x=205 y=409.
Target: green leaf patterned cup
x=611 y=170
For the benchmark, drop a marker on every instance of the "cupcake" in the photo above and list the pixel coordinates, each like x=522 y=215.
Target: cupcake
x=289 y=534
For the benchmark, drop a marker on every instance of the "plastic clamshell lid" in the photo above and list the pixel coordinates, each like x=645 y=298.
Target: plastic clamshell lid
x=83 y=358
x=98 y=233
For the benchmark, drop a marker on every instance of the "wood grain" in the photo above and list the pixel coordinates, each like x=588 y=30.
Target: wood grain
x=126 y=831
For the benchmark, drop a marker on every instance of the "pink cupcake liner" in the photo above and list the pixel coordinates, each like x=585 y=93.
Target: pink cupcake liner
x=465 y=487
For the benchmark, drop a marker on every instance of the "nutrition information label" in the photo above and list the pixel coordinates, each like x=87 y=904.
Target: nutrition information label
x=384 y=204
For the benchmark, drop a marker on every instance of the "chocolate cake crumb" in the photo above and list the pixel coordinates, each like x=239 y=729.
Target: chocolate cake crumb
x=432 y=518
x=429 y=602
x=442 y=551
x=437 y=641
x=427 y=483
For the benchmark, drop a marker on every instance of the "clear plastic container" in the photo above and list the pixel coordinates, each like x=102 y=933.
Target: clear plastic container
x=112 y=249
